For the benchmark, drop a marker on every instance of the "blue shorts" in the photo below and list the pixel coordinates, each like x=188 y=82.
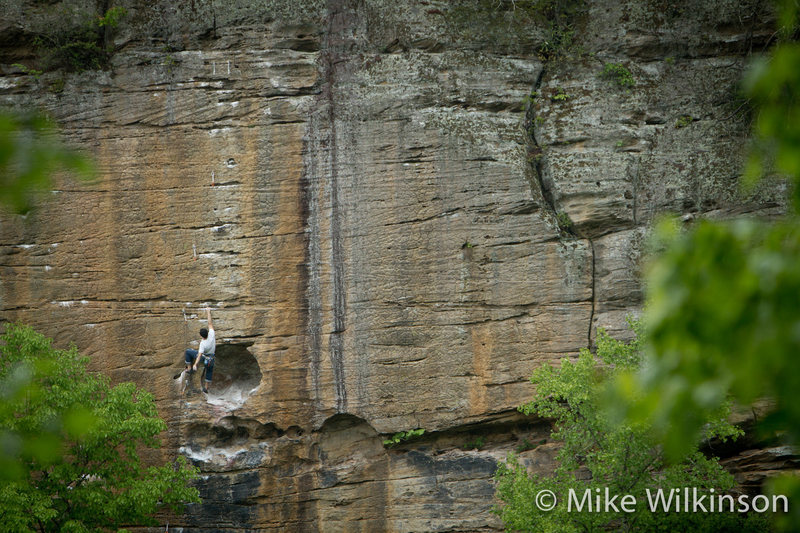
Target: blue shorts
x=208 y=361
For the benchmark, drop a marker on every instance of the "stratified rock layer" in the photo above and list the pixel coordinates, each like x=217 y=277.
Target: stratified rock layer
x=393 y=220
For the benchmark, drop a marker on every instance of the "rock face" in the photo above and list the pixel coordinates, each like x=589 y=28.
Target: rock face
x=394 y=215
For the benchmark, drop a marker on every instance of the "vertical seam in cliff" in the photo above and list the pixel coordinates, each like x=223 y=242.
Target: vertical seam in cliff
x=313 y=318
x=594 y=292
x=535 y=152
x=337 y=257
x=636 y=190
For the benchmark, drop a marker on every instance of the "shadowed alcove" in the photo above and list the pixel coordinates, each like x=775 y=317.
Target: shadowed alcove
x=236 y=374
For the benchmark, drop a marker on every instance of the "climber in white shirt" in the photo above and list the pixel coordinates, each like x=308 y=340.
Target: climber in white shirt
x=206 y=353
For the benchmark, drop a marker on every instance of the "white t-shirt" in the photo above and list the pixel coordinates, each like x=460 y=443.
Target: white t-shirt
x=208 y=345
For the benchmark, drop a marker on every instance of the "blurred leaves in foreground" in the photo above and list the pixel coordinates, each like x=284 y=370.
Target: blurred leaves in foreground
x=723 y=298
x=30 y=154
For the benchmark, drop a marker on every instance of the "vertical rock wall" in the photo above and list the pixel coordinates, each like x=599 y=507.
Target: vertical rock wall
x=394 y=219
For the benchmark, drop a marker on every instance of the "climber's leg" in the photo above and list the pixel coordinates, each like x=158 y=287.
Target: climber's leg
x=189 y=358
x=209 y=373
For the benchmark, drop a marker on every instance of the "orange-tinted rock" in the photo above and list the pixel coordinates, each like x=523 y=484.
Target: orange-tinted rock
x=386 y=240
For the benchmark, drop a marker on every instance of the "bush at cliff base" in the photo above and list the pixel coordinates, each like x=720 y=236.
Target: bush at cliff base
x=69 y=444
x=598 y=454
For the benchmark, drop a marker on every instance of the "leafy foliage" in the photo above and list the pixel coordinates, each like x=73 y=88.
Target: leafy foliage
x=774 y=87
x=559 y=95
x=617 y=73
x=722 y=319
x=564 y=221
x=27 y=70
x=476 y=444
x=85 y=46
x=597 y=453
x=70 y=444
x=526 y=445
x=683 y=121
x=29 y=154
x=511 y=24
x=403 y=436
x=111 y=18
x=722 y=310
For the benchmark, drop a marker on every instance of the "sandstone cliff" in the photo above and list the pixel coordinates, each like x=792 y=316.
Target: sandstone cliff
x=396 y=213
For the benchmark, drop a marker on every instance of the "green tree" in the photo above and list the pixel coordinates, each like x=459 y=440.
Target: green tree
x=71 y=444
x=598 y=453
